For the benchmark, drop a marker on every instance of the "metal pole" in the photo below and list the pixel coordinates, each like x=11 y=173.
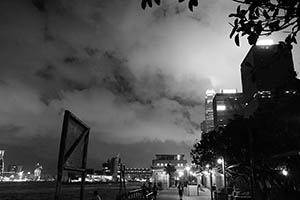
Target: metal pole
x=252 y=177
x=223 y=168
x=211 y=188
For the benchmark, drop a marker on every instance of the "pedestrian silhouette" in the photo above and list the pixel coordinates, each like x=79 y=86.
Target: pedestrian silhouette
x=154 y=190
x=144 y=191
x=96 y=195
x=180 y=190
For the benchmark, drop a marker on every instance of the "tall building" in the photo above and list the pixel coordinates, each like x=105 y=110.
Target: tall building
x=226 y=105
x=161 y=161
x=267 y=72
x=208 y=124
x=1 y=161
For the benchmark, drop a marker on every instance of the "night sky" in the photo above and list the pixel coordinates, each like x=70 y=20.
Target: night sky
x=137 y=78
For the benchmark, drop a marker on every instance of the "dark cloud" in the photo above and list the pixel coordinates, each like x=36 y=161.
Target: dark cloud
x=136 y=77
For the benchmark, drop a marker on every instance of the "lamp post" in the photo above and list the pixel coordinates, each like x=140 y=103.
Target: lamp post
x=210 y=177
x=187 y=168
x=222 y=161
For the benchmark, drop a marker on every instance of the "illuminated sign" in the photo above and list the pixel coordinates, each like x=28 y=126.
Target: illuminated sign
x=229 y=91
x=265 y=42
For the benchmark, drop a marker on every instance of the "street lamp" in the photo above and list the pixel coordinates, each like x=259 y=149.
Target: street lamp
x=222 y=161
x=284 y=172
x=188 y=168
x=210 y=176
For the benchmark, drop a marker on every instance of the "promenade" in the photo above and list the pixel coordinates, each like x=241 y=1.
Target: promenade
x=172 y=194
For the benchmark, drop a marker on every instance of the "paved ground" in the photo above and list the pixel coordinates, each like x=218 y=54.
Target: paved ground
x=172 y=194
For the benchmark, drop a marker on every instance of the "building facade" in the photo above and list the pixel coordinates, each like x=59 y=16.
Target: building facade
x=267 y=74
x=208 y=124
x=226 y=106
x=161 y=162
x=138 y=174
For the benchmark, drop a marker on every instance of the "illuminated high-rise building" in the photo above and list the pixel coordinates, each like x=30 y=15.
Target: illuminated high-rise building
x=226 y=105
x=267 y=74
x=208 y=124
x=1 y=161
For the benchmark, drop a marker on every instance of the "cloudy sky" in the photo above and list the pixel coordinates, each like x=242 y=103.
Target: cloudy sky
x=136 y=77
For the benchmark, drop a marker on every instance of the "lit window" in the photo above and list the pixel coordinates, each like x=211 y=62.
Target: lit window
x=221 y=107
x=166 y=164
x=157 y=164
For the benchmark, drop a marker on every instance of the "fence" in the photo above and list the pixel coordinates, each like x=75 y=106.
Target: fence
x=137 y=194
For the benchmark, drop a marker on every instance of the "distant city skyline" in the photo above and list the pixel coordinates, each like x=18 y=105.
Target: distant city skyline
x=137 y=78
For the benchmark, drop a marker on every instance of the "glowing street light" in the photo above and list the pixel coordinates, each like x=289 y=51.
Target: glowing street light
x=187 y=168
x=284 y=172
x=221 y=161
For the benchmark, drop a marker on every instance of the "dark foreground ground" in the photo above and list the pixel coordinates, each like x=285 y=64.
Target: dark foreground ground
x=46 y=191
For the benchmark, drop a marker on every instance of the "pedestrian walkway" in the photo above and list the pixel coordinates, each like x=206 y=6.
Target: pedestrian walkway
x=172 y=194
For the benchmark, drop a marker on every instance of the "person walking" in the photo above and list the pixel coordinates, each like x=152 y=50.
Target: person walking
x=154 y=190
x=144 y=191
x=180 y=190
x=96 y=195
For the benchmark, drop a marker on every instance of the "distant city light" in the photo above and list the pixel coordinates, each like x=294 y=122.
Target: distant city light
x=221 y=107
x=265 y=42
x=178 y=157
x=207 y=166
x=187 y=168
x=220 y=161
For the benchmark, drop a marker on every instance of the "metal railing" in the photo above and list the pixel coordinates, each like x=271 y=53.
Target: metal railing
x=137 y=194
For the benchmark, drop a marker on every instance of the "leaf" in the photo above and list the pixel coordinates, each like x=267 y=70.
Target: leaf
x=257 y=13
x=266 y=15
x=236 y=22
x=238 y=9
x=232 y=15
x=252 y=38
x=276 y=12
x=157 y=2
x=294 y=39
x=143 y=4
x=149 y=3
x=237 y=40
x=191 y=5
x=232 y=32
x=231 y=24
x=288 y=39
x=195 y=2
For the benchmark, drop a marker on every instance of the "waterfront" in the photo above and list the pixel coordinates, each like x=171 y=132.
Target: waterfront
x=46 y=190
